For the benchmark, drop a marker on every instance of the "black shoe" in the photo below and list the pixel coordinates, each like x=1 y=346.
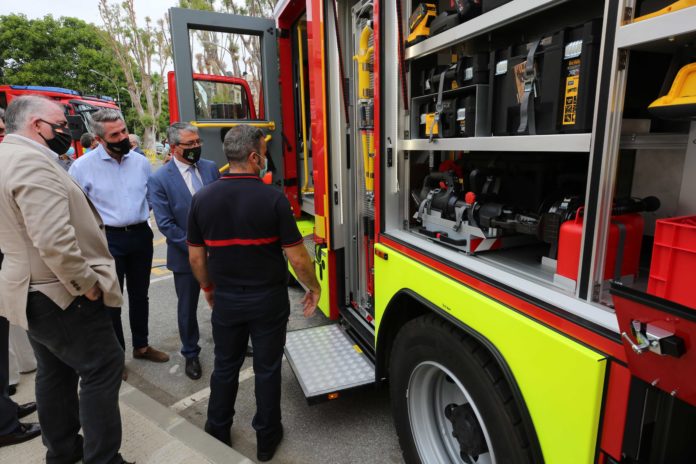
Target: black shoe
x=265 y=451
x=193 y=368
x=23 y=410
x=249 y=352
x=24 y=433
x=11 y=390
x=224 y=437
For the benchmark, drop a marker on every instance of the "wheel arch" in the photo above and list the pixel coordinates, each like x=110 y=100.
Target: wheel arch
x=407 y=305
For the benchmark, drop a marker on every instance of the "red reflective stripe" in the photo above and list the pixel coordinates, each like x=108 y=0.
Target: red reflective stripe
x=194 y=244
x=241 y=177
x=241 y=241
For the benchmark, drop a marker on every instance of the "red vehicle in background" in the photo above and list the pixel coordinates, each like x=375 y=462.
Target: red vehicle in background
x=78 y=107
x=217 y=97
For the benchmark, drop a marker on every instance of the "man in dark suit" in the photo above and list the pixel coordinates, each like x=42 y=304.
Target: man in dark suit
x=170 y=191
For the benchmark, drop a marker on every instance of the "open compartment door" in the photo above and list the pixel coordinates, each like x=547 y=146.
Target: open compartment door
x=238 y=86
x=659 y=337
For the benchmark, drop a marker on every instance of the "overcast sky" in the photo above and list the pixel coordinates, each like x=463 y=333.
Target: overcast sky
x=84 y=9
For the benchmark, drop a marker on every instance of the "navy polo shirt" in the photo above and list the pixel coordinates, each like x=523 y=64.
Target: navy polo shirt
x=244 y=224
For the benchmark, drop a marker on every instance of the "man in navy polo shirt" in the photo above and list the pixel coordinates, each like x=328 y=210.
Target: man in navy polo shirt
x=238 y=229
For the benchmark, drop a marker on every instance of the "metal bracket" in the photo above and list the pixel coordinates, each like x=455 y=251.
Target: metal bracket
x=657 y=340
x=623 y=59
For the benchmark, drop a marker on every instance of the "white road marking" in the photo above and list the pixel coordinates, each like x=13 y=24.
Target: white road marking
x=204 y=394
x=160 y=279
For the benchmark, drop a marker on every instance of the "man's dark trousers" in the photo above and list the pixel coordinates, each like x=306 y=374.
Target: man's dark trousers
x=187 y=292
x=132 y=250
x=77 y=341
x=8 y=408
x=238 y=313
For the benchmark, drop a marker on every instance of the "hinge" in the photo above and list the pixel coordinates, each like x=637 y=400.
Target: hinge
x=623 y=59
x=596 y=292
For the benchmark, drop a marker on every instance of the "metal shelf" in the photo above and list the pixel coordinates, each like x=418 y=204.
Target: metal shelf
x=505 y=14
x=654 y=141
x=665 y=27
x=531 y=143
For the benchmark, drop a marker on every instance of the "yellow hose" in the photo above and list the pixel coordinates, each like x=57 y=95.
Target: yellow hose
x=365 y=52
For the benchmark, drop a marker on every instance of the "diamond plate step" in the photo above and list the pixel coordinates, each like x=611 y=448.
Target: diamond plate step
x=325 y=360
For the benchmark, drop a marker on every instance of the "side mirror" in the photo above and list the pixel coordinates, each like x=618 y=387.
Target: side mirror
x=77 y=126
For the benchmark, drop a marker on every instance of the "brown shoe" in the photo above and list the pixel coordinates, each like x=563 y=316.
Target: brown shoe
x=151 y=354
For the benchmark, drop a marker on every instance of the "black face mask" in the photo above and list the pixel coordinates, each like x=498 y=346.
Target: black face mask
x=192 y=155
x=121 y=147
x=61 y=140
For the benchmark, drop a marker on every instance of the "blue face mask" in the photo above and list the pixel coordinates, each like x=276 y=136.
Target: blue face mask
x=264 y=170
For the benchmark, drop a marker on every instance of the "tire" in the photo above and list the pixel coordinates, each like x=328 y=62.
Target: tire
x=442 y=380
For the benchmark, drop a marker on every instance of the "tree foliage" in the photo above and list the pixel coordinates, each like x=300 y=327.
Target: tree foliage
x=143 y=53
x=243 y=51
x=56 y=52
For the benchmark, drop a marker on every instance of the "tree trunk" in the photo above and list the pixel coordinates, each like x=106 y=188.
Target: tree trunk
x=149 y=137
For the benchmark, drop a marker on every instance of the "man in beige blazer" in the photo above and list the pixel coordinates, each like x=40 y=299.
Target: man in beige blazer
x=57 y=281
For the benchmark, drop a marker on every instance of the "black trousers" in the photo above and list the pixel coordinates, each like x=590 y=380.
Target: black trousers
x=132 y=250
x=239 y=313
x=71 y=344
x=8 y=408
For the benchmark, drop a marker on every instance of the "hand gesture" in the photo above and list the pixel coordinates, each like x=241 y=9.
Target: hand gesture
x=309 y=302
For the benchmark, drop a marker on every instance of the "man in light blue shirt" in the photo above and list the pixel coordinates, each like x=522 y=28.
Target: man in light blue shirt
x=115 y=179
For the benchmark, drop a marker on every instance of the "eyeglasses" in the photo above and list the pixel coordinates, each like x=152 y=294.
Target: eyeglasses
x=192 y=143
x=54 y=125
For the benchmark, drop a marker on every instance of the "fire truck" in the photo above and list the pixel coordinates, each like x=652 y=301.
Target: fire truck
x=78 y=107
x=498 y=196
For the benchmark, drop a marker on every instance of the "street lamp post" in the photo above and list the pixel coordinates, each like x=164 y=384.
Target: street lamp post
x=113 y=82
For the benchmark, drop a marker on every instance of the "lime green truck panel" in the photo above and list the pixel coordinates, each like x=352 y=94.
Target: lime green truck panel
x=306 y=227
x=561 y=381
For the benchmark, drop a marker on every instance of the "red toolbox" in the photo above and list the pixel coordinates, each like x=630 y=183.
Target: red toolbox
x=673 y=265
x=570 y=241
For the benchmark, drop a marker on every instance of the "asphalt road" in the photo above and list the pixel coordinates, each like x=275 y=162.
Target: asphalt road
x=354 y=429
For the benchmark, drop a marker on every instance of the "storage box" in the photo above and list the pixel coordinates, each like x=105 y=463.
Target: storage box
x=560 y=89
x=465 y=113
x=673 y=265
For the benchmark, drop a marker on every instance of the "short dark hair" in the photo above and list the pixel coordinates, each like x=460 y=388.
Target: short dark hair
x=102 y=116
x=86 y=140
x=240 y=142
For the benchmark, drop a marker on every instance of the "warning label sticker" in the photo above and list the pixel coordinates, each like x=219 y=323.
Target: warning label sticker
x=572 y=85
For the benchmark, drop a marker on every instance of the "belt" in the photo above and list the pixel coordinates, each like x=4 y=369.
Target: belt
x=138 y=226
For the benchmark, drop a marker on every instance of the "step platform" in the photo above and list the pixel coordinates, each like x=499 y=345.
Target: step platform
x=327 y=362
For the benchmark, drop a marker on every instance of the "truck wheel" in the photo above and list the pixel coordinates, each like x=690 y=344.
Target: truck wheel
x=450 y=400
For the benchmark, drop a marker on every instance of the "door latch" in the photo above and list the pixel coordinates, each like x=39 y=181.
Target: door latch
x=655 y=339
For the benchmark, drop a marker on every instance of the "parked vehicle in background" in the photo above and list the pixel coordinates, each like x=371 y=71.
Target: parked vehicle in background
x=78 y=107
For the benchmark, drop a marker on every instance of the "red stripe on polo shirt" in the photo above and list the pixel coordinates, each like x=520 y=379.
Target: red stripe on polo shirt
x=229 y=177
x=194 y=244
x=241 y=241
x=293 y=244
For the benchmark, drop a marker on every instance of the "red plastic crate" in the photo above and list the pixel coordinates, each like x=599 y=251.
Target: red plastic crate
x=673 y=265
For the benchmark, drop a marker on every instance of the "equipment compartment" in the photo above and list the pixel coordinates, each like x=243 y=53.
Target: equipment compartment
x=546 y=85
